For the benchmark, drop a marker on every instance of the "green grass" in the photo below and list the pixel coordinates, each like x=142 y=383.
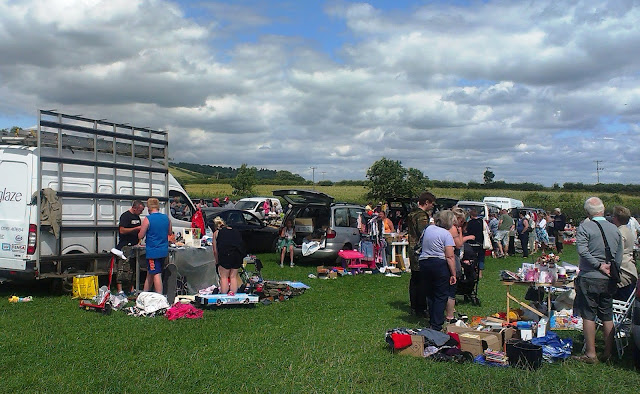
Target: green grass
x=329 y=339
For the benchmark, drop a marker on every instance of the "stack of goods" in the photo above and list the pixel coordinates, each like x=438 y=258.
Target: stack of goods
x=545 y=270
x=496 y=357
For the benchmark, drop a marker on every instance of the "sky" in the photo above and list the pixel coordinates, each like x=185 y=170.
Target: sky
x=534 y=90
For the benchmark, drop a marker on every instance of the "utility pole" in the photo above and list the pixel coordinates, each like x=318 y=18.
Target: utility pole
x=323 y=172
x=313 y=177
x=598 y=169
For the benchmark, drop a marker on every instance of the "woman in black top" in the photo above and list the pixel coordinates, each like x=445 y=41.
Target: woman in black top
x=228 y=250
x=475 y=228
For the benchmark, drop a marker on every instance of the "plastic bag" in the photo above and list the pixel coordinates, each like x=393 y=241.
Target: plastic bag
x=553 y=347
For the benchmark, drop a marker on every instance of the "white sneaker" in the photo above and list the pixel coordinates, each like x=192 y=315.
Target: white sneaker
x=281 y=265
x=292 y=265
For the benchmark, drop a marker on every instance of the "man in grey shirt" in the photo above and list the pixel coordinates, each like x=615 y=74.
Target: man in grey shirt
x=594 y=286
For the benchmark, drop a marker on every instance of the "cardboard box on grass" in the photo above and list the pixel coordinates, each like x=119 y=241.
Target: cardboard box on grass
x=477 y=342
x=416 y=349
x=502 y=334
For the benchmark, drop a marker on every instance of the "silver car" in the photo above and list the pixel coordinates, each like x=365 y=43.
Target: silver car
x=316 y=217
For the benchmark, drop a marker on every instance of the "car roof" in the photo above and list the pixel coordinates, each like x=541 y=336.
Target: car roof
x=256 y=199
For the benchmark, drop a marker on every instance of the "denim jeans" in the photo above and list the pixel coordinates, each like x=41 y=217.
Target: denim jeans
x=435 y=276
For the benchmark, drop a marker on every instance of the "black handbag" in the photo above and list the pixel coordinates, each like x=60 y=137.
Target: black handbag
x=614 y=273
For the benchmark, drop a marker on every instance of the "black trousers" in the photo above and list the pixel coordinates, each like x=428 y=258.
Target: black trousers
x=417 y=293
x=559 y=244
x=524 y=241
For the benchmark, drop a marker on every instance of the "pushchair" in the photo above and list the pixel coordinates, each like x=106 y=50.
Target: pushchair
x=469 y=276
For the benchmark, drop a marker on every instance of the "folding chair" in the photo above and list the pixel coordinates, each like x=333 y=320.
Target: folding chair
x=621 y=323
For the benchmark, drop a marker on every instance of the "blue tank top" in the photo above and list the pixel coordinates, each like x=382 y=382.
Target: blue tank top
x=157 y=235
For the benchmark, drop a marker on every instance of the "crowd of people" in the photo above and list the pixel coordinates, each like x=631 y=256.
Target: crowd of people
x=440 y=237
x=607 y=264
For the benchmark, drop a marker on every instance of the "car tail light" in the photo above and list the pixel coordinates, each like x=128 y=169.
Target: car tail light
x=33 y=237
x=331 y=233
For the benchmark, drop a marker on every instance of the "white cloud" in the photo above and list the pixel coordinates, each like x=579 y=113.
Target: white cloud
x=529 y=89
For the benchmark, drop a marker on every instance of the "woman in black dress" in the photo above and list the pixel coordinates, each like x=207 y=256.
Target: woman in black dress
x=228 y=250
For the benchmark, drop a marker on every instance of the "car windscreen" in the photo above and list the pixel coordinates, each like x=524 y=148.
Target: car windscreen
x=245 y=205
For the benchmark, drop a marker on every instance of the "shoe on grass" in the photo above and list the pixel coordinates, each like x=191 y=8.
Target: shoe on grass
x=585 y=359
x=292 y=265
x=281 y=265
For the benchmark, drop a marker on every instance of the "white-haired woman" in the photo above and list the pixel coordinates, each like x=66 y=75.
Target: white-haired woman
x=438 y=266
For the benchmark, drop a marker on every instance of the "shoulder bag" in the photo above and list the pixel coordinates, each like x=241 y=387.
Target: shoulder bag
x=615 y=270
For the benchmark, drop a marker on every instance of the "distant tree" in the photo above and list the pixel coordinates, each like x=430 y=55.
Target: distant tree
x=417 y=181
x=556 y=186
x=387 y=179
x=325 y=183
x=488 y=176
x=245 y=180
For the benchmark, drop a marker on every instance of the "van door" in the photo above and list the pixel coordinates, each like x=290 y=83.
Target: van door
x=14 y=209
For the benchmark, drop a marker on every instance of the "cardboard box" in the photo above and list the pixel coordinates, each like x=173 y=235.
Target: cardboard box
x=502 y=334
x=333 y=275
x=304 y=225
x=477 y=342
x=416 y=349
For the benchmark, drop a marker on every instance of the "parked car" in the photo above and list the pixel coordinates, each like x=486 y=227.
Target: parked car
x=254 y=205
x=315 y=216
x=257 y=236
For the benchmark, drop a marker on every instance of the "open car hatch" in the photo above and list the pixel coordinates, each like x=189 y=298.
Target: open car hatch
x=300 y=197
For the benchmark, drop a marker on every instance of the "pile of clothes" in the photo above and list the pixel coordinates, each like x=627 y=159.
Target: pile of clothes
x=437 y=345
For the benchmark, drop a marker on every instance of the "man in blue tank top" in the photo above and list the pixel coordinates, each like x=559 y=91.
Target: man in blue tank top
x=156 y=227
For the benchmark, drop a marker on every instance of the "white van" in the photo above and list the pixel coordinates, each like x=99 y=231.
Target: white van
x=504 y=202
x=482 y=208
x=254 y=205
x=95 y=170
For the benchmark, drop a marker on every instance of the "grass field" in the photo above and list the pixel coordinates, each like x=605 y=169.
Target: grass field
x=330 y=339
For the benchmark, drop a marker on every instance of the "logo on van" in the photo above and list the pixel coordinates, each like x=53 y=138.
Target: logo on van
x=18 y=238
x=7 y=195
x=6 y=247
x=18 y=248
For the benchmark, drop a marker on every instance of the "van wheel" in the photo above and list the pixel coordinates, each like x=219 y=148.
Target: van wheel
x=61 y=286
